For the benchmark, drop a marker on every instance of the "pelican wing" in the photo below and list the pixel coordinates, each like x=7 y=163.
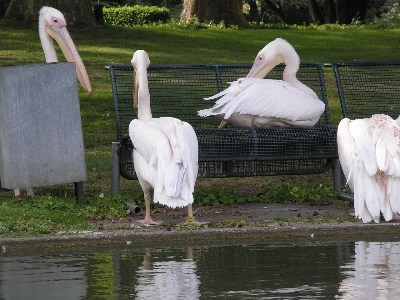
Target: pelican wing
x=355 y=157
x=153 y=145
x=365 y=147
x=346 y=151
x=350 y=164
x=183 y=141
x=383 y=128
x=266 y=98
x=393 y=193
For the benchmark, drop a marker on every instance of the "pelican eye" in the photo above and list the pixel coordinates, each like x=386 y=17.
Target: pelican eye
x=55 y=21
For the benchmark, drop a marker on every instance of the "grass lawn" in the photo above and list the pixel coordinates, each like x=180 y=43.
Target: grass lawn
x=54 y=209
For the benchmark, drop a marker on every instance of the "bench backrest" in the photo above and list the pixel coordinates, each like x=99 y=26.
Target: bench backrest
x=366 y=88
x=178 y=90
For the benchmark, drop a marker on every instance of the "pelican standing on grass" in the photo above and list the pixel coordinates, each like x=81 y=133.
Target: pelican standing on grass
x=165 y=150
x=52 y=24
x=257 y=102
x=369 y=153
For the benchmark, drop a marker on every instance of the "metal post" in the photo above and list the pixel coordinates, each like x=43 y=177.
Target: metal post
x=115 y=168
x=78 y=190
x=337 y=176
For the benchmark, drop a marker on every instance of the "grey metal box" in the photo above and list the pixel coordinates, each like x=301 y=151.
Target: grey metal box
x=41 y=140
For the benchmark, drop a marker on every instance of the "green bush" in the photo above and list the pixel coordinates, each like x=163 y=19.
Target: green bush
x=393 y=14
x=135 y=15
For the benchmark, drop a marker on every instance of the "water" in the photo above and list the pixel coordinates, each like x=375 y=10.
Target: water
x=302 y=270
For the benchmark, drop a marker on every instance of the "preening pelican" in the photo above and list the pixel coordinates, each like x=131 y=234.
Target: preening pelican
x=369 y=153
x=165 y=149
x=52 y=24
x=257 y=102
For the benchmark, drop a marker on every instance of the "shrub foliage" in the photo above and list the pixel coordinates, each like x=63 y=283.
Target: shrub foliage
x=135 y=15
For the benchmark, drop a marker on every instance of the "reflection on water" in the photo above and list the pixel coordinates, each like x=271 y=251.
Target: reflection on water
x=347 y=270
x=167 y=279
x=374 y=273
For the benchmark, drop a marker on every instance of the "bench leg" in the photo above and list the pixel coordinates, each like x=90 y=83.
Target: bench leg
x=339 y=182
x=78 y=190
x=337 y=175
x=115 y=168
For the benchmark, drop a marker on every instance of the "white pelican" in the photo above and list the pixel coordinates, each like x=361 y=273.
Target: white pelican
x=257 y=102
x=369 y=153
x=52 y=24
x=165 y=150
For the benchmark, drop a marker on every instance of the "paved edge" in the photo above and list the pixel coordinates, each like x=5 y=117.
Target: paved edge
x=204 y=237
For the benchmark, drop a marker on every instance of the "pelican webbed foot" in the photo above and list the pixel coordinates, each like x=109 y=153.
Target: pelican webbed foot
x=150 y=222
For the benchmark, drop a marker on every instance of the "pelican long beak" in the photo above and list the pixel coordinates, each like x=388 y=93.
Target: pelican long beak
x=61 y=35
x=136 y=91
x=259 y=70
x=263 y=65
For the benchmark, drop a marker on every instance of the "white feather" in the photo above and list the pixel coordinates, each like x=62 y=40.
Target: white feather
x=369 y=154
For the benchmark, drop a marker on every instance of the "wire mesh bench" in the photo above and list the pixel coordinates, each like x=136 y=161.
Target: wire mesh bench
x=366 y=88
x=178 y=91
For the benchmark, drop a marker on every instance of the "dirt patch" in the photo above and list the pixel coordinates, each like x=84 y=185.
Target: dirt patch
x=249 y=212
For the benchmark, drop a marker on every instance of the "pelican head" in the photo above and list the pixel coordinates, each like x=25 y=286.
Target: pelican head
x=140 y=62
x=52 y=24
x=274 y=53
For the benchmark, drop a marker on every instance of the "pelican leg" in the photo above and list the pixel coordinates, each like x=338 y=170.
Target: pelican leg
x=17 y=194
x=147 y=218
x=190 y=219
x=30 y=192
x=222 y=124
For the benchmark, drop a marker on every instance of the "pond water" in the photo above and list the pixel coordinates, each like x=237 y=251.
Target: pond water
x=301 y=270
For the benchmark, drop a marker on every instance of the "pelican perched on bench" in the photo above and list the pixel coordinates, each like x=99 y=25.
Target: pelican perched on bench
x=52 y=24
x=369 y=153
x=165 y=150
x=257 y=102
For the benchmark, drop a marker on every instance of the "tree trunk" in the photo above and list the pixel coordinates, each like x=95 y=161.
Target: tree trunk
x=3 y=7
x=215 y=11
x=253 y=14
x=277 y=9
x=330 y=11
x=341 y=11
x=346 y=10
x=315 y=11
x=76 y=12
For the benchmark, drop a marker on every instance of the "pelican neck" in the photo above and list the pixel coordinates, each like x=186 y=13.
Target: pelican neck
x=144 y=110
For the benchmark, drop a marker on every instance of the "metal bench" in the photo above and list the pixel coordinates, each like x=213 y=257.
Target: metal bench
x=178 y=91
x=366 y=88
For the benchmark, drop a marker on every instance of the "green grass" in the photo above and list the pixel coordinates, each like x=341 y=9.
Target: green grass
x=55 y=210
